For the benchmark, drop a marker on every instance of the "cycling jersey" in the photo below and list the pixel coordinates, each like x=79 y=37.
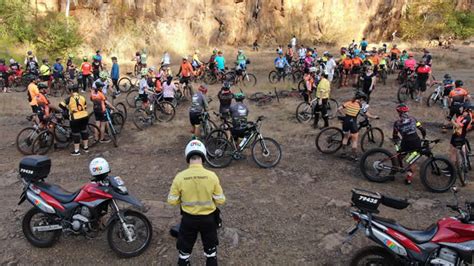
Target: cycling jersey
x=168 y=90
x=197 y=190
x=14 y=67
x=407 y=126
x=86 y=68
x=225 y=100
x=281 y=62
x=352 y=108
x=458 y=96
x=324 y=88
x=347 y=63
x=395 y=53
x=463 y=123
x=104 y=88
x=166 y=59
x=357 y=62
x=186 y=69
x=196 y=61
x=241 y=60
x=45 y=70
x=143 y=58
x=423 y=72
x=220 y=62
x=32 y=66
x=58 y=70
x=410 y=64
x=308 y=62
x=375 y=60
x=364 y=44
x=142 y=86
x=302 y=53
x=77 y=106
x=33 y=92
x=98 y=99
x=198 y=103
x=239 y=113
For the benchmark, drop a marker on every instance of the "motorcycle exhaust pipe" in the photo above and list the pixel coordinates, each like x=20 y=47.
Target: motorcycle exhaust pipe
x=39 y=202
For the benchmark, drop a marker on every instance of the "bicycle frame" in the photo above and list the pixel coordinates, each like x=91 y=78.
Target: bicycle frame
x=109 y=121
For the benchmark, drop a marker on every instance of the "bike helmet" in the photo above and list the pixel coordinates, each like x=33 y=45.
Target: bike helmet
x=241 y=51
x=239 y=96
x=84 y=59
x=29 y=53
x=103 y=75
x=203 y=89
x=360 y=95
x=402 y=108
x=12 y=61
x=447 y=76
x=195 y=147
x=226 y=85
x=99 y=166
x=70 y=56
x=312 y=69
x=95 y=57
x=45 y=61
x=98 y=51
x=185 y=57
x=214 y=51
x=99 y=84
x=458 y=83
x=144 y=71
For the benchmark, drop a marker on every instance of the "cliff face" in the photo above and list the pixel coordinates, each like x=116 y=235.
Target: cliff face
x=183 y=24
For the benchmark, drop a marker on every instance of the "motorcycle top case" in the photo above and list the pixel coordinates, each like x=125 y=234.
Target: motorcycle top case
x=366 y=200
x=34 y=168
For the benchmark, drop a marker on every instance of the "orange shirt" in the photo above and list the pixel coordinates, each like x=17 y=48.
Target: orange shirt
x=99 y=100
x=352 y=108
x=86 y=68
x=41 y=99
x=347 y=63
x=375 y=60
x=395 y=51
x=158 y=85
x=33 y=91
x=356 y=61
x=458 y=94
x=186 y=69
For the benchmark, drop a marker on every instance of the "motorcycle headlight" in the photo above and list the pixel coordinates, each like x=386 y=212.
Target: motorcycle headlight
x=122 y=189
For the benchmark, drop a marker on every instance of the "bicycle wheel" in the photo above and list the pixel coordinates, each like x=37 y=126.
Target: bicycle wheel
x=112 y=135
x=219 y=152
x=329 y=140
x=273 y=77
x=249 y=80
x=118 y=120
x=372 y=138
x=125 y=84
x=333 y=105
x=43 y=143
x=304 y=112
x=403 y=94
x=122 y=109
x=264 y=100
x=437 y=174
x=207 y=128
x=210 y=78
x=461 y=167
x=215 y=134
x=94 y=134
x=378 y=165
x=383 y=76
x=141 y=119
x=164 y=111
x=297 y=76
x=131 y=97
x=62 y=134
x=266 y=152
x=24 y=140
x=302 y=86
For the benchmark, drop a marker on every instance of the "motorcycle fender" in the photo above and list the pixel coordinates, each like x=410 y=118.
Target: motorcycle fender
x=128 y=199
x=389 y=243
x=39 y=203
x=22 y=197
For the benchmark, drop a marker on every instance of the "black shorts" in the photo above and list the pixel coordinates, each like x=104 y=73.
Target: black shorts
x=79 y=125
x=195 y=119
x=238 y=132
x=421 y=84
x=457 y=141
x=34 y=109
x=143 y=97
x=455 y=109
x=346 y=71
x=184 y=80
x=44 y=78
x=410 y=144
x=356 y=70
x=349 y=124
x=100 y=116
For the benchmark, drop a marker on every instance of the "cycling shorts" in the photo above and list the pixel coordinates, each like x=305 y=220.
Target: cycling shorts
x=195 y=119
x=349 y=124
x=457 y=141
x=100 y=116
x=455 y=109
x=143 y=97
x=238 y=132
x=34 y=109
x=356 y=69
x=410 y=144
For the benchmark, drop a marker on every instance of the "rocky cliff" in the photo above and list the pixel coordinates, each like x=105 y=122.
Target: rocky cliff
x=183 y=24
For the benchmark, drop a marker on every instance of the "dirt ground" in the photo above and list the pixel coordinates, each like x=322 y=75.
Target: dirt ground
x=296 y=213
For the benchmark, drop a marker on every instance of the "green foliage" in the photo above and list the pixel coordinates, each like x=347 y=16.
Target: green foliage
x=51 y=33
x=427 y=19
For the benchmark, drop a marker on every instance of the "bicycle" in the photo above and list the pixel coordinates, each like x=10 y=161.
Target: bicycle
x=262 y=98
x=407 y=90
x=281 y=76
x=59 y=87
x=329 y=140
x=394 y=65
x=381 y=165
x=158 y=110
x=437 y=96
x=247 y=79
x=266 y=152
x=183 y=93
x=127 y=83
x=463 y=162
x=383 y=74
x=115 y=122
x=304 y=110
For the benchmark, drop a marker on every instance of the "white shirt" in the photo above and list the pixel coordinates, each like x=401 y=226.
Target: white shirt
x=142 y=86
x=166 y=59
x=302 y=52
x=104 y=89
x=330 y=66
x=293 y=41
x=168 y=90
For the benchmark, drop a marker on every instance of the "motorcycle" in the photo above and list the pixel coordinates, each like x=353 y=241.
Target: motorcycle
x=84 y=212
x=448 y=242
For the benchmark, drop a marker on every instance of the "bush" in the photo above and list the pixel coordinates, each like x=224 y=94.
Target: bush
x=51 y=33
x=430 y=19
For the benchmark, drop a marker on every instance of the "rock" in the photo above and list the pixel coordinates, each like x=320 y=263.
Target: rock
x=306 y=179
x=231 y=235
x=423 y=204
x=331 y=241
x=337 y=203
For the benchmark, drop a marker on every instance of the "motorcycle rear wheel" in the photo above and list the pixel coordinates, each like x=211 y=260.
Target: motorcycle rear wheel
x=39 y=239
x=373 y=255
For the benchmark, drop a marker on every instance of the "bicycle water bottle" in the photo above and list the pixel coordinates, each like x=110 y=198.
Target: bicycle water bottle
x=243 y=142
x=412 y=157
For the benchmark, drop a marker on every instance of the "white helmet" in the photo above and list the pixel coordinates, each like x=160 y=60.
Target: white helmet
x=195 y=147
x=12 y=61
x=312 y=69
x=99 y=166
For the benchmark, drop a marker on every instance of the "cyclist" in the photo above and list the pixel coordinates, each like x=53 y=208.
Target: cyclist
x=310 y=79
x=280 y=63
x=225 y=97
x=45 y=72
x=115 y=75
x=86 y=69
x=403 y=57
x=58 y=70
x=32 y=65
x=220 y=62
x=143 y=58
x=410 y=64
x=301 y=53
x=71 y=68
x=427 y=57
x=30 y=57
x=4 y=74
x=185 y=72
x=197 y=191
x=356 y=68
x=461 y=125
x=43 y=109
x=410 y=143
x=168 y=89
x=456 y=98
x=196 y=63
x=448 y=85
x=322 y=94
x=77 y=106
x=32 y=93
x=166 y=59
x=423 y=73
x=15 y=70
x=239 y=114
x=103 y=80
x=308 y=60
x=368 y=80
x=255 y=45
x=212 y=60
x=364 y=44
x=351 y=110
x=241 y=59
x=143 y=89
x=330 y=67
x=347 y=64
x=137 y=59
x=96 y=66
x=293 y=42
x=199 y=105
x=289 y=53
x=100 y=103
x=395 y=53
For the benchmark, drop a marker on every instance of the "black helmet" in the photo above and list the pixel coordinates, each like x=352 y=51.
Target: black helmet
x=447 y=76
x=468 y=106
x=458 y=83
x=361 y=95
x=226 y=85
x=99 y=84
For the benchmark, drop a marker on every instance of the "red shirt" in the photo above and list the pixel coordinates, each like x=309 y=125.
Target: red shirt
x=423 y=69
x=3 y=69
x=86 y=68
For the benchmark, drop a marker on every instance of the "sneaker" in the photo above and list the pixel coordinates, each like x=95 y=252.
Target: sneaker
x=105 y=140
x=86 y=149
x=407 y=182
x=75 y=153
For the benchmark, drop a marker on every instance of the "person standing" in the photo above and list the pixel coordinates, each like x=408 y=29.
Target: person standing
x=330 y=67
x=198 y=192
x=115 y=75
x=322 y=93
x=423 y=74
x=364 y=44
x=220 y=61
x=368 y=80
x=293 y=42
x=86 y=69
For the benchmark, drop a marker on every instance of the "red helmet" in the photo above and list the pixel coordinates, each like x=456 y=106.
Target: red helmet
x=203 y=89
x=402 y=108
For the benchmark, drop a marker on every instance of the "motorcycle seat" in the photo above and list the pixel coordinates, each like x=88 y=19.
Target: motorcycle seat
x=418 y=236
x=57 y=192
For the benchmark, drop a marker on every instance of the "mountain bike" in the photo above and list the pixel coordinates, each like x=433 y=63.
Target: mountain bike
x=329 y=140
x=59 y=87
x=127 y=83
x=304 y=110
x=281 y=76
x=157 y=110
x=266 y=152
x=407 y=90
x=437 y=173
x=393 y=66
x=115 y=122
x=261 y=98
x=237 y=77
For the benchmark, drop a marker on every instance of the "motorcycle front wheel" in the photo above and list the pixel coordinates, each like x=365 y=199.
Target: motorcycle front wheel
x=373 y=255
x=140 y=231
x=36 y=218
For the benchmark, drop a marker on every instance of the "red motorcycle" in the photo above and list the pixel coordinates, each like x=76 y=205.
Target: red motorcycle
x=84 y=212
x=448 y=242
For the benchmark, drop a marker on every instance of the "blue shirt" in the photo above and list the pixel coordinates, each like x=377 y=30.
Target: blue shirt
x=57 y=70
x=115 y=71
x=356 y=51
x=220 y=61
x=364 y=43
x=281 y=62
